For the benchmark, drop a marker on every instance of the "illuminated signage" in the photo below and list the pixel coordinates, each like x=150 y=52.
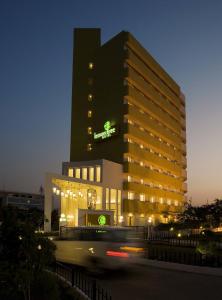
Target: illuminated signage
x=98 y=219
x=102 y=220
x=107 y=133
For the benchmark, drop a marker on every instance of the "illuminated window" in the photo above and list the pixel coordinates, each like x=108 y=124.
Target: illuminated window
x=141 y=181
x=176 y=203
x=169 y=202
x=89 y=113
x=129 y=178
x=70 y=172
x=141 y=146
x=89 y=130
x=113 y=197
x=142 y=197
x=84 y=173
x=141 y=164
x=90 y=97
x=152 y=199
x=98 y=174
x=77 y=173
x=89 y=147
x=130 y=195
x=91 y=66
x=91 y=173
x=161 y=200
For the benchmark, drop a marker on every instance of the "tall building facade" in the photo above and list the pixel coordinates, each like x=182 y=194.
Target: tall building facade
x=127 y=109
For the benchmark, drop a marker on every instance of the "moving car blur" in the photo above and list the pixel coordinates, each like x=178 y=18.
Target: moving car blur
x=99 y=248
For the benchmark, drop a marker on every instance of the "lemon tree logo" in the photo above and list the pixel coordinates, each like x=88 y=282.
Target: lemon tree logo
x=109 y=131
x=102 y=220
x=107 y=125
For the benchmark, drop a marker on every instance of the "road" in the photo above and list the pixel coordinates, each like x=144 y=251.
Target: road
x=151 y=283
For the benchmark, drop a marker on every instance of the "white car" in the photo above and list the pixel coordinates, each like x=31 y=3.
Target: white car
x=99 y=248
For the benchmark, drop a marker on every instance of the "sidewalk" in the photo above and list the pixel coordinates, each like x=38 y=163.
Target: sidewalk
x=182 y=267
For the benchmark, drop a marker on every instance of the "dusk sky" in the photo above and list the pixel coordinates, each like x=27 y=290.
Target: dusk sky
x=184 y=36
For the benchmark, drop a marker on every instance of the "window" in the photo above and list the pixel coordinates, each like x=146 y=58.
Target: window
x=129 y=178
x=89 y=114
x=98 y=174
x=89 y=147
x=84 y=173
x=90 y=97
x=141 y=181
x=141 y=164
x=142 y=197
x=91 y=66
x=89 y=130
x=77 y=173
x=152 y=199
x=130 y=195
x=91 y=173
x=70 y=172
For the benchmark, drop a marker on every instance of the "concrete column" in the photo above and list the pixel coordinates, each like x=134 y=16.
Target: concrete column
x=103 y=198
x=48 y=203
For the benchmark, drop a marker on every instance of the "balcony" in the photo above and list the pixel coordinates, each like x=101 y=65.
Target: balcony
x=183 y=135
x=160 y=178
x=150 y=107
x=144 y=137
x=142 y=154
x=152 y=125
x=155 y=192
x=184 y=187
x=184 y=173
x=150 y=61
x=150 y=92
x=138 y=207
x=141 y=68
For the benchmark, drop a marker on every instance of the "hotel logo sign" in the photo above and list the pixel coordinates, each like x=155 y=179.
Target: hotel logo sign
x=107 y=133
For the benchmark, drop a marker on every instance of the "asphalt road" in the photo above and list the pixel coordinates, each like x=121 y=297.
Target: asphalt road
x=150 y=283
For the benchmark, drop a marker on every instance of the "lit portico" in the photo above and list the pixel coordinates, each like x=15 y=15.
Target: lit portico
x=85 y=191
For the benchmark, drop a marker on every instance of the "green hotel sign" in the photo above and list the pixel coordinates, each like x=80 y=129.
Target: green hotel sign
x=107 y=133
x=98 y=219
x=102 y=220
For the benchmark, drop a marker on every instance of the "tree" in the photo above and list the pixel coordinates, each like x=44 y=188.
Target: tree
x=23 y=254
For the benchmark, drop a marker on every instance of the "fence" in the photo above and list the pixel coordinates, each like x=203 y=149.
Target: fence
x=77 y=279
x=170 y=254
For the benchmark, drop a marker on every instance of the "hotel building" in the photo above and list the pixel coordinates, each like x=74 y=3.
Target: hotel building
x=128 y=126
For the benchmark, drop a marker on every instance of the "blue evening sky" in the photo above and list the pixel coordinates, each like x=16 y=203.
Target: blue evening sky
x=184 y=36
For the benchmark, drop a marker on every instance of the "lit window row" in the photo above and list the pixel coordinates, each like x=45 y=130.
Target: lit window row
x=151 y=167
x=91 y=65
x=135 y=124
x=89 y=130
x=130 y=140
x=86 y=173
x=89 y=147
x=154 y=88
x=157 y=105
x=148 y=67
x=153 y=118
x=154 y=185
x=142 y=197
